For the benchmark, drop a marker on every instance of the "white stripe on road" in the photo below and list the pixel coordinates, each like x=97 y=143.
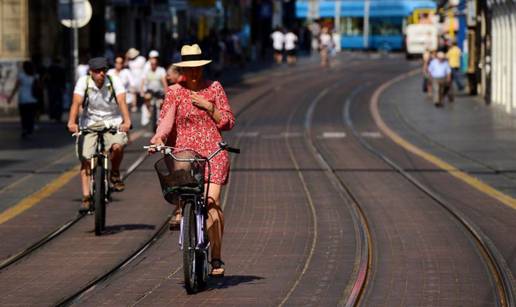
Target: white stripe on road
x=333 y=135
x=251 y=134
x=282 y=135
x=371 y=135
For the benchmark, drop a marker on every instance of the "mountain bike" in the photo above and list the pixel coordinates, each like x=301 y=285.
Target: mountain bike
x=181 y=174
x=100 y=189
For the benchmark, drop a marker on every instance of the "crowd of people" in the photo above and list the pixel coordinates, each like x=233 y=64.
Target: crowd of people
x=441 y=68
x=286 y=43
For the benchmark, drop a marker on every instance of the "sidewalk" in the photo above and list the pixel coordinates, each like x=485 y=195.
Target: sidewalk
x=475 y=138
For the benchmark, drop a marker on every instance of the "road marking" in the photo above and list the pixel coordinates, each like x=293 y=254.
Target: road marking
x=333 y=135
x=52 y=187
x=452 y=170
x=282 y=135
x=251 y=134
x=371 y=135
x=31 y=200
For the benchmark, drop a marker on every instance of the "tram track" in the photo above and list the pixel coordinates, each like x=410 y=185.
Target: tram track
x=62 y=228
x=353 y=293
x=355 y=288
x=500 y=272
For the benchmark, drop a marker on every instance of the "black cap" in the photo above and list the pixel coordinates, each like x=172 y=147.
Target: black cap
x=98 y=63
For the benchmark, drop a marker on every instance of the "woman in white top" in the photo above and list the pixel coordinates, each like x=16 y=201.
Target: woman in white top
x=326 y=44
x=27 y=102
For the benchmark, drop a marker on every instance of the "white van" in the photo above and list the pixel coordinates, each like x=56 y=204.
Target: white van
x=420 y=37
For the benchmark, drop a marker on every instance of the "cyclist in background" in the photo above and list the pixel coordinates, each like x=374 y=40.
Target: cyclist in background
x=154 y=82
x=102 y=99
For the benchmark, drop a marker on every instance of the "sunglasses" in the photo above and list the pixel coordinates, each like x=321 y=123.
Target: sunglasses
x=98 y=71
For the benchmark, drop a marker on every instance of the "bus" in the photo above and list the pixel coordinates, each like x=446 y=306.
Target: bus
x=387 y=20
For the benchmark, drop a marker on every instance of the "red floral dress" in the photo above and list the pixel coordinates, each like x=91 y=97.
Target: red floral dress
x=193 y=128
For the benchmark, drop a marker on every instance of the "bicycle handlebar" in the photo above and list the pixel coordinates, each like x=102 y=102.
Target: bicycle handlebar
x=167 y=150
x=85 y=131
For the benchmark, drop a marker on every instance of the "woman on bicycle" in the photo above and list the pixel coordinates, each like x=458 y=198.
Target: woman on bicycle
x=196 y=111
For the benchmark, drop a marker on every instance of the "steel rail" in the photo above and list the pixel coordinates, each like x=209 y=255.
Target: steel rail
x=500 y=271
x=59 y=230
x=363 y=262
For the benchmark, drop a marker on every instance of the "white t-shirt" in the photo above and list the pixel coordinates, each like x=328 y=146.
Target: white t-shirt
x=136 y=68
x=125 y=76
x=278 y=39
x=326 y=40
x=290 y=41
x=101 y=107
x=25 y=96
x=152 y=79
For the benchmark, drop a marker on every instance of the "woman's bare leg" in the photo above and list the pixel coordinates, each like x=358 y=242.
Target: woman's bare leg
x=215 y=223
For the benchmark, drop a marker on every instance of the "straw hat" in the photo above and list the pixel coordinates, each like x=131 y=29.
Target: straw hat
x=191 y=56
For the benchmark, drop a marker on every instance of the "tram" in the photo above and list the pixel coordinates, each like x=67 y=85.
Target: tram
x=385 y=19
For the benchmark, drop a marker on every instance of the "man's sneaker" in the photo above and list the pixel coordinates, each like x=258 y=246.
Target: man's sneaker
x=116 y=183
x=85 y=205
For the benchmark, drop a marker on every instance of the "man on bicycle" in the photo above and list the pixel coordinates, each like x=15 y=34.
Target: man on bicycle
x=153 y=85
x=102 y=99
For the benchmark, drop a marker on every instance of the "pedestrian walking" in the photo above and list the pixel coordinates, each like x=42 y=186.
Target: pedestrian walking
x=278 y=41
x=27 y=85
x=454 y=55
x=199 y=110
x=326 y=46
x=427 y=57
x=440 y=73
x=315 y=31
x=102 y=99
x=291 y=47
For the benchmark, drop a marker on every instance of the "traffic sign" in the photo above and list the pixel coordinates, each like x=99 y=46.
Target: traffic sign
x=74 y=13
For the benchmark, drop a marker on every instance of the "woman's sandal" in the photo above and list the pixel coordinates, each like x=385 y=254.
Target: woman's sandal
x=217 y=269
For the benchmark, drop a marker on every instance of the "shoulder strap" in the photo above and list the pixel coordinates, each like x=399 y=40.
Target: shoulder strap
x=85 y=100
x=113 y=94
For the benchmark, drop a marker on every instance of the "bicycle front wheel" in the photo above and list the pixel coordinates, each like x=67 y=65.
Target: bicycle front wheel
x=99 y=198
x=189 y=244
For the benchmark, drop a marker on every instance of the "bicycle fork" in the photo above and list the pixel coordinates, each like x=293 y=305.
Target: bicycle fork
x=200 y=229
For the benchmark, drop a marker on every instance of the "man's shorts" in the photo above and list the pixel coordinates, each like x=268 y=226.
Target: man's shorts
x=86 y=145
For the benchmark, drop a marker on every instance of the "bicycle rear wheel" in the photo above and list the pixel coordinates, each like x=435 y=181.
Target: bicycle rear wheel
x=99 y=198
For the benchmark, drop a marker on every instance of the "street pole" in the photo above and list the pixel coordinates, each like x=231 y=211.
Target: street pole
x=366 y=24
x=337 y=25
x=74 y=57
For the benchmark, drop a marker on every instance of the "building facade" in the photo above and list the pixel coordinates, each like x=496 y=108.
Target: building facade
x=503 y=54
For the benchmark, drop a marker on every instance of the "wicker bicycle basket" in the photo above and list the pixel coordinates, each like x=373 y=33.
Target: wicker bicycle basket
x=180 y=177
